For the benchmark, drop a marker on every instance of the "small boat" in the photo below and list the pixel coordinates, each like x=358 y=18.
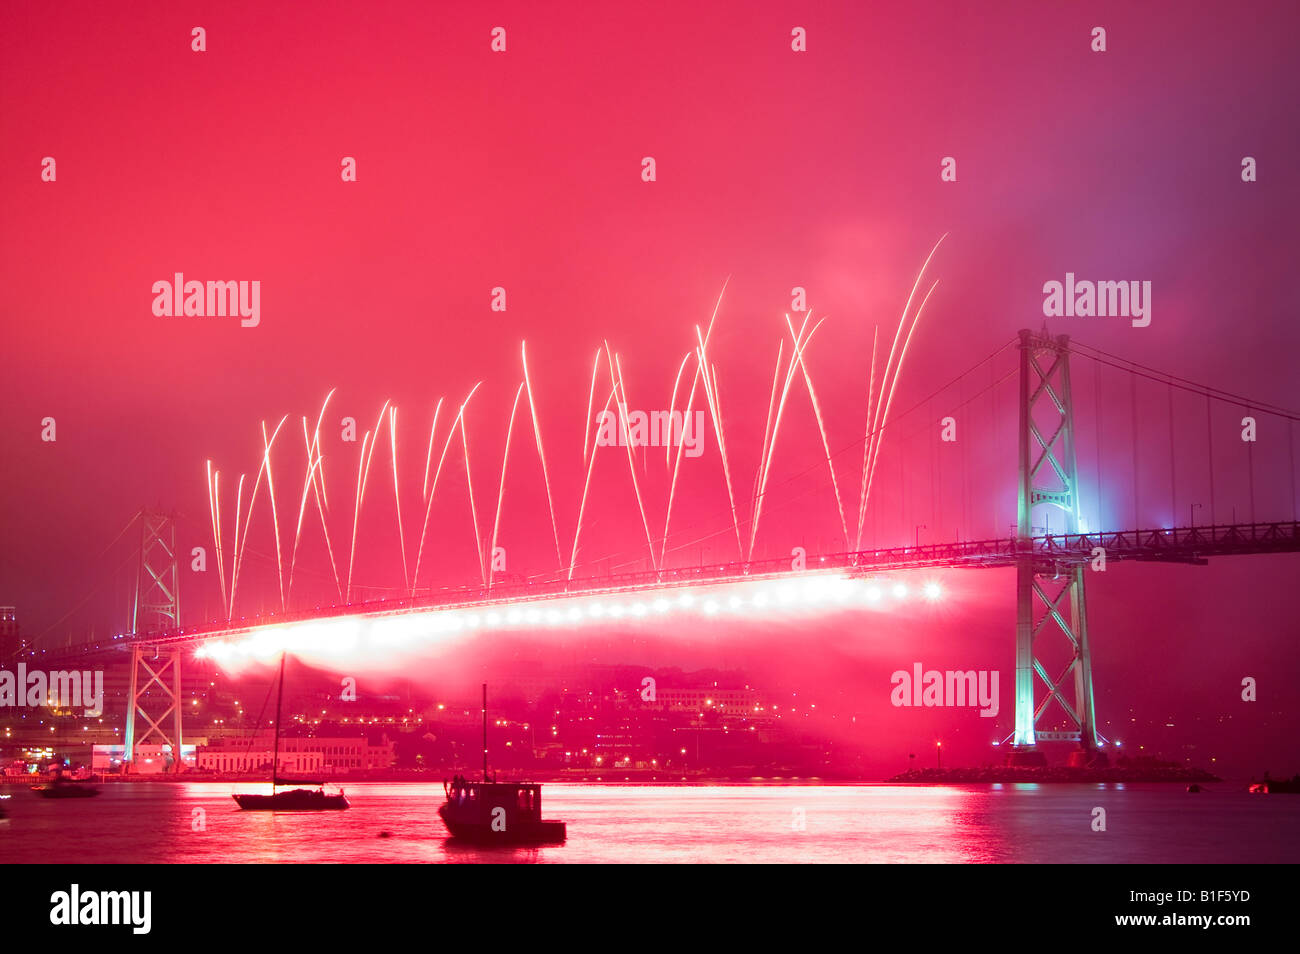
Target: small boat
x=1193 y=787
x=296 y=799
x=61 y=787
x=1273 y=786
x=497 y=813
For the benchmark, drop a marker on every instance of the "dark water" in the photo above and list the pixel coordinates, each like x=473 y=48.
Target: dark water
x=154 y=823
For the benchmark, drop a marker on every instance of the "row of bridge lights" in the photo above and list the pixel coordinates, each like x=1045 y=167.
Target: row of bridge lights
x=838 y=590
x=843 y=591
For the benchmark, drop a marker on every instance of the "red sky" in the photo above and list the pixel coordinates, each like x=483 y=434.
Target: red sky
x=818 y=169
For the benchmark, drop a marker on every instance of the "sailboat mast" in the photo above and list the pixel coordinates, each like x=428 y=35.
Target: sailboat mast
x=279 y=698
x=485 y=774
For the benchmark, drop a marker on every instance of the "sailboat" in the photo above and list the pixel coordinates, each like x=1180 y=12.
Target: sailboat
x=492 y=812
x=295 y=799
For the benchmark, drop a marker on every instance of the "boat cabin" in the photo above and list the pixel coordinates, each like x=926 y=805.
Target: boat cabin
x=521 y=800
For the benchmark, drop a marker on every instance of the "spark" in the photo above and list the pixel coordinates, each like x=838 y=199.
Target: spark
x=270 y=490
x=428 y=459
x=320 y=492
x=307 y=484
x=433 y=490
x=473 y=510
x=621 y=400
x=867 y=438
x=886 y=382
x=363 y=479
x=541 y=453
x=582 y=506
x=821 y=424
x=397 y=494
x=690 y=403
x=591 y=395
x=501 y=490
x=214 y=505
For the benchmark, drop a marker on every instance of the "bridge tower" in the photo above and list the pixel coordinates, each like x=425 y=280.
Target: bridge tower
x=1050 y=600
x=156 y=608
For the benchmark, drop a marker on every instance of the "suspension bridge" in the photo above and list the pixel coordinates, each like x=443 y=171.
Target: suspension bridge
x=1052 y=565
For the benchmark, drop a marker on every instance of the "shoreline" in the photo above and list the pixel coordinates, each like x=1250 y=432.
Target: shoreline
x=998 y=776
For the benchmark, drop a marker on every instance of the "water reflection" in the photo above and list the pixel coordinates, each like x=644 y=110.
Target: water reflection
x=397 y=823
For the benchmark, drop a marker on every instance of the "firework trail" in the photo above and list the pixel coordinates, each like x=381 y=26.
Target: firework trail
x=690 y=407
x=621 y=400
x=711 y=395
x=501 y=489
x=672 y=488
x=888 y=383
x=363 y=480
x=241 y=539
x=397 y=496
x=867 y=438
x=433 y=489
x=214 y=505
x=356 y=512
x=591 y=466
x=473 y=510
x=234 y=556
x=821 y=425
x=541 y=453
x=894 y=384
x=591 y=396
x=428 y=459
x=766 y=463
x=317 y=461
x=767 y=429
x=275 y=517
x=302 y=507
x=316 y=443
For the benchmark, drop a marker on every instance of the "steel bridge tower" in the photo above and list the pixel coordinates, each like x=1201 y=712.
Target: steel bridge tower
x=1050 y=599
x=156 y=608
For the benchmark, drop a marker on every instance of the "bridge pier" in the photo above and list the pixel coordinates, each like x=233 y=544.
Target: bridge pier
x=157 y=608
x=171 y=706
x=1049 y=476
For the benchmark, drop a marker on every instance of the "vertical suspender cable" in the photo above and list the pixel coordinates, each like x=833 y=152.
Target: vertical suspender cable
x=1133 y=400
x=934 y=463
x=1173 y=481
x=1290 y=456
x=1250 y=463
x=1209 y=437
x=1096 y=416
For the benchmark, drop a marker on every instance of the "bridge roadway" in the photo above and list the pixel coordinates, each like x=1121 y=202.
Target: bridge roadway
x=1187 y=545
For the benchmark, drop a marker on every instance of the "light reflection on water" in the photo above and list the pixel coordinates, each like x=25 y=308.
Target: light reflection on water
x=153 y=823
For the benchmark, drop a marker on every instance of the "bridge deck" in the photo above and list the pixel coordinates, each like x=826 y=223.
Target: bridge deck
x=1188 y=545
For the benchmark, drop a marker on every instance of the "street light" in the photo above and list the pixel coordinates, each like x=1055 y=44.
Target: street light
x=919 y=528
x=1191 y=515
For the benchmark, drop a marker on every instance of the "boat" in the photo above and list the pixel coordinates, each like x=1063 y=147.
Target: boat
x=492 y=812
x=1274 y=786
x=60 y=787
x=295 y=799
